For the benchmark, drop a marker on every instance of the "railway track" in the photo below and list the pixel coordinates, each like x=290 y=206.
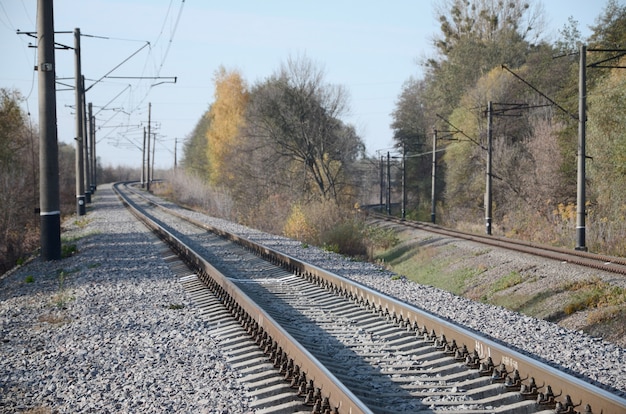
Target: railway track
x=595 y=261
x=342 y=347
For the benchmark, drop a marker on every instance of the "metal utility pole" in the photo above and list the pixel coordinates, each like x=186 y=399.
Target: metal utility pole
x=86 y=162
x=488 y=203
x=80 y=178
x=143 y=160
x=92 y=145
x=148 y=163
x=433 y=177
x=388 y=184
x=403 y=182
x=49 y=204
x=175 y=147
x=382 y=180
x=582 y=118
x=153 y=157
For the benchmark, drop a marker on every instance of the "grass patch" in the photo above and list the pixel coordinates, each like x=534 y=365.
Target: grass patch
x=176 y=306
x=421 y=266
x=532 y=305
x=29 y=279
x=68 y=250
x=512 y=279
x=82 y=223
x=593 y=293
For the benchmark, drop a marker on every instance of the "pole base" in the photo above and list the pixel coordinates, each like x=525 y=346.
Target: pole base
x=50 y=236
x=80 y=205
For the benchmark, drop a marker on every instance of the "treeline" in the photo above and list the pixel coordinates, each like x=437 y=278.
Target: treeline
x=19 y=181
x=493 y=51
x=278 y=156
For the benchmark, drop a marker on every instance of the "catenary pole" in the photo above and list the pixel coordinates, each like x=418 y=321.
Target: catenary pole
x=388 y=183
x=153 y=157
x=49 y=204
x=148 y=150
x=433 y=179
x=92 y=146
x=582 y=117
x=80 y=177
x=143 y=160
x=403 y=213
x=381 y=180
x=488 y=174
x=86 y=151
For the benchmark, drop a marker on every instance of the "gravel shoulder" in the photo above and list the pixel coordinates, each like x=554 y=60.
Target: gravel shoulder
x=108 y=329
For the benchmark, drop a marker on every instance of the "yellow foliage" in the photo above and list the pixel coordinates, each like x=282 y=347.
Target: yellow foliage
x=567 y=212
x=226 y=120
x=297 y=226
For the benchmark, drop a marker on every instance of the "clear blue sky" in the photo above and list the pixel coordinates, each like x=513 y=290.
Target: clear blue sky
x=370 y=47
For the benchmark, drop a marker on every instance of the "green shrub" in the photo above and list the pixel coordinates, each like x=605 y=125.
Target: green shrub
x=347 y=237
x=381 y=238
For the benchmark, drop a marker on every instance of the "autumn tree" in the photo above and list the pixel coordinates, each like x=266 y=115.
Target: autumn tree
x=297 y=116
x=195 y=152
x=412 y=134
x=225 y=118
x=475 y=37
x=19 y=166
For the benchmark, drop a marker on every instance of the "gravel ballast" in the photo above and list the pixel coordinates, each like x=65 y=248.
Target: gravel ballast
x=111 y=330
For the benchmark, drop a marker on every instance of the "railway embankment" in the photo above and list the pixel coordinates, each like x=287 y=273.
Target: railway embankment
x=572 y=296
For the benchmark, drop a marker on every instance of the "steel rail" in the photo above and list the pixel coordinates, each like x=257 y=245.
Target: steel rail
x=573 y=390
x=595 y=261
x=338 y=395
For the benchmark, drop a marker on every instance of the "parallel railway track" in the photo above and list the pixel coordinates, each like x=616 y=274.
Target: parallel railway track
x=595 y=261
x=345 y=348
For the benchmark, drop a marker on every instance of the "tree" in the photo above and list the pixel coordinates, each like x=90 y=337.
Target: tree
x=570 y=37
x=610 y=28
x=476 y=37
x=412 y=133
x=296 y=117
x=226 y=117
x=607 y=170
x=195 y=151
x=19 y=166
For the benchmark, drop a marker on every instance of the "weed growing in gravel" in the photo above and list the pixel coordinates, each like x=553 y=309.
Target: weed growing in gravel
x=93 y=265
x=68 y=250
x=61 y=298
x=29 y=279
x=176 y=306
x=82 y=223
